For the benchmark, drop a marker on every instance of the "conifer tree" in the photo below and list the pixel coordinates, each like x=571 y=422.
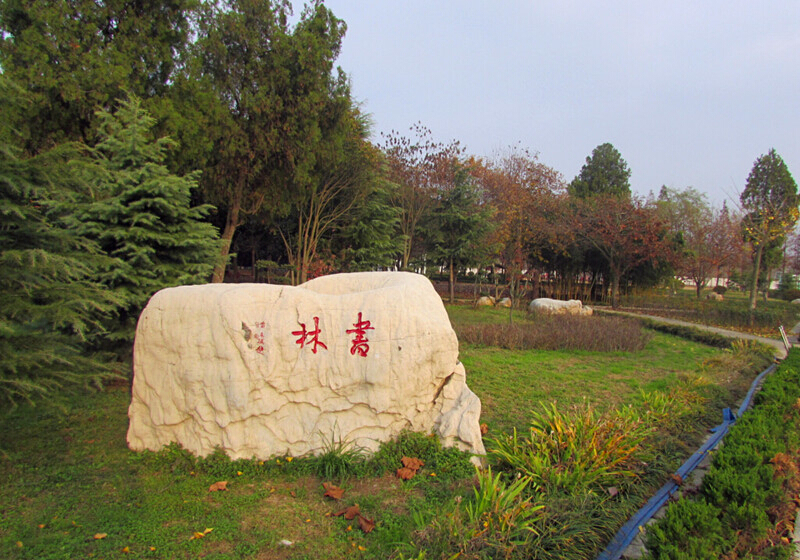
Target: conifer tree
x=770 y=202
x=142 y=216
x=460 y=225
x=49 y=301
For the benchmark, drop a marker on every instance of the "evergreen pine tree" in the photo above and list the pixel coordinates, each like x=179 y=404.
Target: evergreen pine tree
x=49 y=301
x=142 y=216
x=372 y=236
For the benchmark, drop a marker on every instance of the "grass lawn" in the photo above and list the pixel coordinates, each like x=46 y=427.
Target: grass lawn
x=70 y=488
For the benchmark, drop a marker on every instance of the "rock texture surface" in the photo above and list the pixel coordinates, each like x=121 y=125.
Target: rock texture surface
x=559 y=307
x=262 y=370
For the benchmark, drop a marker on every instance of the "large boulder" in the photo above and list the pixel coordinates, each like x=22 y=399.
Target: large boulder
x=261 y=370
x=559 y=307
x=485 y=301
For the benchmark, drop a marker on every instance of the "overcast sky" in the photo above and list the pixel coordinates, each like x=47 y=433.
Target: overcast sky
x=690 y=93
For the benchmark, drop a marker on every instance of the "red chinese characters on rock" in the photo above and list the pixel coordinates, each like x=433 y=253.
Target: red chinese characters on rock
x=359 y=343
x=259 y=336
x=309 y=337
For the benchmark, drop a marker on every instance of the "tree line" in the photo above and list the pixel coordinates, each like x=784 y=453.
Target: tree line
x=151 y=143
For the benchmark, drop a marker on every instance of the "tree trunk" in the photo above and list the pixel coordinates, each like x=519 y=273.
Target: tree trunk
x=231 y=223
x=754 y=282
x=615 y=289
x=452 y=283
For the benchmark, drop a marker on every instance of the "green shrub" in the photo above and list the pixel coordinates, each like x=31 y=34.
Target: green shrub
x=741 y=491
x=690 y=530
x=789 y=294
x=690 y=333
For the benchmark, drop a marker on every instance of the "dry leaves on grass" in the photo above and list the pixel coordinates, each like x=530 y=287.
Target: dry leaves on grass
x=410 y=467
x=218 y=486
x=366 y=524
x=349 y=513
x=332 y=491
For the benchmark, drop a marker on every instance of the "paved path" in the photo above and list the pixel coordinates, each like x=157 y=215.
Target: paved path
x=780 y=349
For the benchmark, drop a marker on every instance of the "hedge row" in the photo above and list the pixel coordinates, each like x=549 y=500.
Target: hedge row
x=745 y=507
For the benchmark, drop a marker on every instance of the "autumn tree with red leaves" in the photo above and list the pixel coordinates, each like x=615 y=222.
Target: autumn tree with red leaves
x=625 y=231
x=524 y=192
x=709 y=237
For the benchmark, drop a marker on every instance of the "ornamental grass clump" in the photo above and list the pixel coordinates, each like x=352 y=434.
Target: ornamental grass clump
x=563 y=332
x=576 y=450
x=677 y=410
x=502 y=515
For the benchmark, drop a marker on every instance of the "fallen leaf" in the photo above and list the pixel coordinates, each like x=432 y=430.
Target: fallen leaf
x=413 y=463
x=677 y=479
x=98 y=536
x=152 y=549
x=349 y=513
x=198 y=535
x=126 y=550
x=284 y=542
x=484 y=429
x=332 y=491
x=362 y=548
x=406 y=473
x=612 y=491
x=366 y=525
x=42 y=526
x=218 y=486
x=239 y=473
x=292 y=494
